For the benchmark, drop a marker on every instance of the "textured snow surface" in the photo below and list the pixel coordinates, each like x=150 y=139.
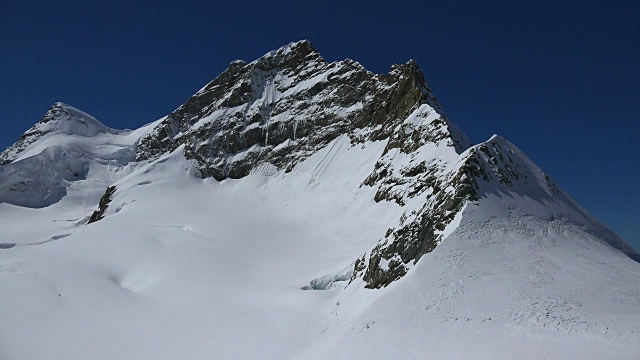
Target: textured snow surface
x=188 y=268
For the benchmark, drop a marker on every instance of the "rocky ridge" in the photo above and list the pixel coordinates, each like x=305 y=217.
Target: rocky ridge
x=285 y=106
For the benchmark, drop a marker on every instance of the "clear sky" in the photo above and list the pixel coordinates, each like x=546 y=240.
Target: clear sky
x=560 y=79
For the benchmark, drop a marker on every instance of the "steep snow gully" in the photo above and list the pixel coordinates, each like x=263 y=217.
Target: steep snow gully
x=208 y=233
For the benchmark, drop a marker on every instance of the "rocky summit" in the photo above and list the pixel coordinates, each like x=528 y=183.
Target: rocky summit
x=286 y=105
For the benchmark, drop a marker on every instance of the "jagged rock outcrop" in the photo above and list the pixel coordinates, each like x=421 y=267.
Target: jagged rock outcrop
x=494 y=166
x=285 y=106
x=103 y=205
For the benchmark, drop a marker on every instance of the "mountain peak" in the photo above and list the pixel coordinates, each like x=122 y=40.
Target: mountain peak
x=295 y=47
x=64 y=118
x=291 y=55
x=60 y=118
x=59 y=108
x=291 y=95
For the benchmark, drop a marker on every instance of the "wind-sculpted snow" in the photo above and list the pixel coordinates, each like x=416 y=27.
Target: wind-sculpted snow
x=287 y=174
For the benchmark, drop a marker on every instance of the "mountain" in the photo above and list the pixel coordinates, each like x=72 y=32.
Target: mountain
x=59 y=151
x=60 y=119
x=203 y=234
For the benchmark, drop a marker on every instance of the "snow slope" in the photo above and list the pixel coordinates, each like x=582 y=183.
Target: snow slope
x=410 y=244
x=188 y=268
x=499 y=287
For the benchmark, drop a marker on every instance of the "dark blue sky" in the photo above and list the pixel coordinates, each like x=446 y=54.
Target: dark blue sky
x=560 y=79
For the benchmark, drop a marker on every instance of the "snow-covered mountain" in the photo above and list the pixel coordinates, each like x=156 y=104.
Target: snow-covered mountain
x=203 y=234
x=64 y=147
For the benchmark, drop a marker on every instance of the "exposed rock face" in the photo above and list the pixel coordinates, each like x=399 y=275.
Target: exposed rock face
x=446 y=190
x=103 y=205
x=283 y=107
x=494 y=166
